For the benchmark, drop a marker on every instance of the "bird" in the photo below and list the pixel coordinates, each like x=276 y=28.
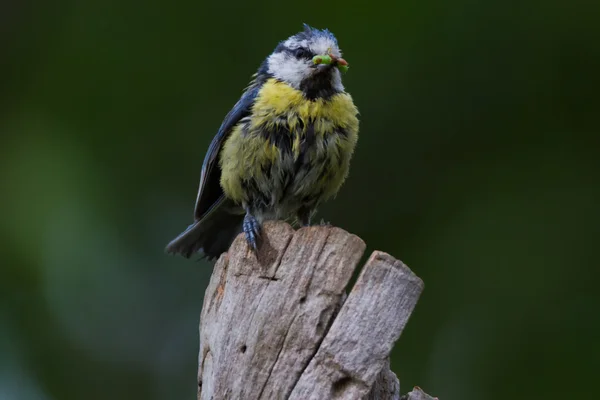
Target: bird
x=283 y=149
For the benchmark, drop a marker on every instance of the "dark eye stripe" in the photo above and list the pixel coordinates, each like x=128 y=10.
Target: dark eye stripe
x=301 y=52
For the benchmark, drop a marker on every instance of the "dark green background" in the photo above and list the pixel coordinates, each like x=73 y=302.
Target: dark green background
x=477 y=165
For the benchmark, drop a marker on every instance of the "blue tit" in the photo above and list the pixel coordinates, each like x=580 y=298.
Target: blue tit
x=283 y=149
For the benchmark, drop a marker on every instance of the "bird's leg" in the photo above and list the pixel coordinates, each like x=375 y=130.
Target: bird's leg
x=304 y=214
x=251 y=228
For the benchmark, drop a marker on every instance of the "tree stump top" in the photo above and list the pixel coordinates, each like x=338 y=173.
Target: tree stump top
x=277 y=324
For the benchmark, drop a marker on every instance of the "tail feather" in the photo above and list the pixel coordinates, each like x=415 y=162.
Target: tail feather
x=211 y=235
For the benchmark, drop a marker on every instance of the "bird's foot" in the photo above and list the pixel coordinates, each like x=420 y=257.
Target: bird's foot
x=251 y=228
x=304 y=216
x=324 y=223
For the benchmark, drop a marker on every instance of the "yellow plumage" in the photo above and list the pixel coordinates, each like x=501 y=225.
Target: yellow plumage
x=291 y=151
x=283 y=148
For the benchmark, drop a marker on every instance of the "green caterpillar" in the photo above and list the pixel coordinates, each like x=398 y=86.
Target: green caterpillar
x=328 y=59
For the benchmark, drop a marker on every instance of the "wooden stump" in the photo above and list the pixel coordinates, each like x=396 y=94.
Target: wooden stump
x=277 y=325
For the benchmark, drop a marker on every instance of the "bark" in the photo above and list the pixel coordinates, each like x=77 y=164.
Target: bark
x=277 y=324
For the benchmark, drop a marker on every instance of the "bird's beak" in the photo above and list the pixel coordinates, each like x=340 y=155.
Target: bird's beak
x=331 y=60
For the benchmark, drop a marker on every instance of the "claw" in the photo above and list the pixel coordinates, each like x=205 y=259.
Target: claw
x=252 y=231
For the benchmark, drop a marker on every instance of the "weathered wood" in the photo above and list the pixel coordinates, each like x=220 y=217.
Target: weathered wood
x=362 y=336
x=386 y=386
x=417 y=394
x=270 y=327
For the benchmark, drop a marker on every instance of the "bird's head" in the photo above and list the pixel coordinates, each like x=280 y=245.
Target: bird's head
x=309 y=61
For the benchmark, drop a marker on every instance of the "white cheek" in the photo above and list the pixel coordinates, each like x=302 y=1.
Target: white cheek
x=336 y=80
x=288 y=69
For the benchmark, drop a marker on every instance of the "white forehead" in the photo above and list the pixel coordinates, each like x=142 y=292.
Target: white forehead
x=317 y=45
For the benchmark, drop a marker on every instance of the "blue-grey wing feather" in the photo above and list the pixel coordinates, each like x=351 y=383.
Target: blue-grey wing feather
x=210 y=190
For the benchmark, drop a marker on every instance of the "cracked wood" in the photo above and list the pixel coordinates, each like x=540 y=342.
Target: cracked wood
x=272 y=328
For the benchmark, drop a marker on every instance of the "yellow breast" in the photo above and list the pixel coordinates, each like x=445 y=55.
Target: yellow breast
x=290 y=148
x=277 y=99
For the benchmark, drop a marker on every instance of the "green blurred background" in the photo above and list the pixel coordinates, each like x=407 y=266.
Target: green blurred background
x=477 y=166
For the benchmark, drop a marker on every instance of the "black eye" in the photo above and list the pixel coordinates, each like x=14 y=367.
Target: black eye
x=301 y=52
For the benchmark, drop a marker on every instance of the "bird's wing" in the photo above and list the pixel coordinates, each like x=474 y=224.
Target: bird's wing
x=210 y=190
